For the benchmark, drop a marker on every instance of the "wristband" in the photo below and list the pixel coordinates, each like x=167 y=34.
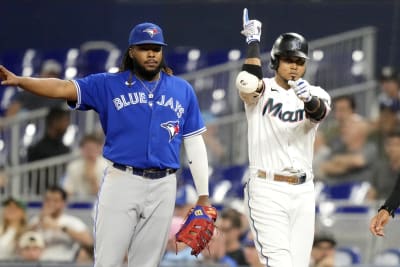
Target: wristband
x=388 y=209
x=253 y=50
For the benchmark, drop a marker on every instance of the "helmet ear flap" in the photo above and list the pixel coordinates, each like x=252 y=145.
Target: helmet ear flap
x=274 y=62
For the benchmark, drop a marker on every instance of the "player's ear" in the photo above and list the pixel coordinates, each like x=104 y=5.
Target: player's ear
x=131 y=52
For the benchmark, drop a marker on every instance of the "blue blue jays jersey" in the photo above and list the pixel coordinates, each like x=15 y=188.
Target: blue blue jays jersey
x=141 y=131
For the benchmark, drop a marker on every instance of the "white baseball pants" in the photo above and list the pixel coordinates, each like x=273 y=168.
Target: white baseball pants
x=282 y=219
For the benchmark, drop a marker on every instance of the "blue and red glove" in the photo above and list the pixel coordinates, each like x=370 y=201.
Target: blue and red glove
x=198 y=228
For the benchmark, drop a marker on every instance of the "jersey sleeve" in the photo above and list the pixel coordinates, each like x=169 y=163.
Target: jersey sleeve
x=89 y=92
x=194 y=123
x=321 y=93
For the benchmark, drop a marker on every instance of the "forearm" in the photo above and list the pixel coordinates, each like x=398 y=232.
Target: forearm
x=253 y=59
x=343 y=163
x=198 y=163
x=393 y=201
x=331 y=168
x=48 y=87
x=83 y=238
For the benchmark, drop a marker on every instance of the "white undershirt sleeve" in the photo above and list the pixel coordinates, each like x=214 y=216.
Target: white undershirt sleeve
x=198 y=162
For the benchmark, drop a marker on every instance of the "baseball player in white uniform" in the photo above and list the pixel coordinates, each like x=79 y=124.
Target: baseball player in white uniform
x=283 y=115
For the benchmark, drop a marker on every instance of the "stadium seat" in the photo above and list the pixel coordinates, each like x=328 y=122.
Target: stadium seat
x=97 y=57
x=59 y=55
x=388 y=257
x=347 y=256
x=354 y=192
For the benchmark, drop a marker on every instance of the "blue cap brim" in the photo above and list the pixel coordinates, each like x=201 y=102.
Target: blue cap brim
x=148 y=42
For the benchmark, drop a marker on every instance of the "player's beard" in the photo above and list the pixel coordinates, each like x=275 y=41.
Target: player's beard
x=148 y=75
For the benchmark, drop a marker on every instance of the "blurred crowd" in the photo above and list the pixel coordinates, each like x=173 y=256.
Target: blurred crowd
x=354 y=148
x=349 y=148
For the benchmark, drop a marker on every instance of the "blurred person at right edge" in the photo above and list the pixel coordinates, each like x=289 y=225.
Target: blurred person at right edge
x=388 y=209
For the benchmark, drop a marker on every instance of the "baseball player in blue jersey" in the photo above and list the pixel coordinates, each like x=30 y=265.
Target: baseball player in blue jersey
x=283 y=114
x=146 y=114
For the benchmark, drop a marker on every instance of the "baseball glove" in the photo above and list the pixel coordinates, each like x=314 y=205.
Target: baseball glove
x=198 y=228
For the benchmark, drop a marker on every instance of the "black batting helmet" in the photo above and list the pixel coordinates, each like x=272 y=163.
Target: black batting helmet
x=288 y=44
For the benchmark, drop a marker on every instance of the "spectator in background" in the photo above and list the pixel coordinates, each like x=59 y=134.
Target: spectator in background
x=250 y=252
x=51 y=144
x=388 y=102
x=6 y=96
x=354 y=160
x=26 y=101
x=386 y=123
x=85 y=255
x=323 y=251
x=344 y=108
x=12 y=226
x=238 y=205
x=390 y=88
x=321 y=153
x=216 y=151
x=83 y=176
x=217 y=254
x=31 y=246
x=230 y=225
x=64 y=234
x=3 y=180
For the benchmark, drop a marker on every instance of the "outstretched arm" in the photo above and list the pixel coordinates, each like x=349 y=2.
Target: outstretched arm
x=46 y=87
x=249 y=80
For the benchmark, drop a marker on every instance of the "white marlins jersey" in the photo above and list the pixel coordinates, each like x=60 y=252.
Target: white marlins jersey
x=280 y=135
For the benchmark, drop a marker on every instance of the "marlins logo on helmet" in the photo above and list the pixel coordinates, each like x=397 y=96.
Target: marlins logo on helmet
x=151 y=31
x=172 y=127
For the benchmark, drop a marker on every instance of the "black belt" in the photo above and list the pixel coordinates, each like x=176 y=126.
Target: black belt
x=152 y=173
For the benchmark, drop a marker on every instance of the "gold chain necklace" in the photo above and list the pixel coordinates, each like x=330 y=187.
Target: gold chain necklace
x=150 y=91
